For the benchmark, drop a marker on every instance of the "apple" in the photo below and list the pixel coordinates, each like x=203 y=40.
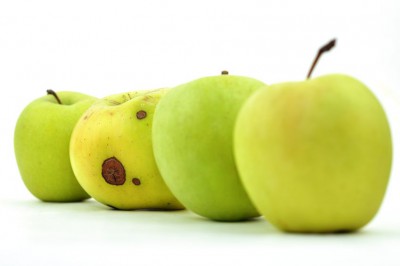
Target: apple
x=192 y=139
x=112 y=154
x=41 y=143
x=314 y=155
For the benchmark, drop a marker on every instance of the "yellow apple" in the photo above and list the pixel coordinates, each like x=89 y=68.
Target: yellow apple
x=112 y=154
x=314 y=155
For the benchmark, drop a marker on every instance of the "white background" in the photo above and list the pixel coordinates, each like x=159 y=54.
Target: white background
x=107 y=47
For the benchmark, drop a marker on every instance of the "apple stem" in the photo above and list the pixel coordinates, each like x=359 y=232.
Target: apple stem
x=321 y=50
x=51 y=92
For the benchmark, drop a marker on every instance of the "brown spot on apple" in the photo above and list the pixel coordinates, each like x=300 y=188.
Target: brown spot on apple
x=136 y=181
x=113 y=171
x=141 y=114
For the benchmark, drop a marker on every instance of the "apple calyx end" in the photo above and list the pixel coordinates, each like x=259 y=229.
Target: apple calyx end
x=51 y=92
x=224 y=72
x=327 y=47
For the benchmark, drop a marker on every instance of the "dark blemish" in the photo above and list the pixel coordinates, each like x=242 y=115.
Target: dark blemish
x=224 y=72
x=87 y=116
x=113 y=171
x=136 y=181
x=141 y=114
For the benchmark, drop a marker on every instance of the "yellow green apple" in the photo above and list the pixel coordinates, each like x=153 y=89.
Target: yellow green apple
x=314 y=155
x=112 y=154
x=192 y=136
x=41 y=142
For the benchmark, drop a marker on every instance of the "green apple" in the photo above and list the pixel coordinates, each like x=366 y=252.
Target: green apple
x=112 y=155
x=314 y=155
x=41 y=142
x=192 y=138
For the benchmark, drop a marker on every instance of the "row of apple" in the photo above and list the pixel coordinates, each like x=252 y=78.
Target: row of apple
x=310 y=156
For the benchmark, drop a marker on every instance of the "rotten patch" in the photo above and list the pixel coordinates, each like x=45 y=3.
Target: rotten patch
x=141 y=114
x=113 y=171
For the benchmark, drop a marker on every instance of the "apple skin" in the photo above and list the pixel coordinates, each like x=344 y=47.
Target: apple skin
x=314 y=156
x=41 y=144
x=192 y=138
x=112 y=154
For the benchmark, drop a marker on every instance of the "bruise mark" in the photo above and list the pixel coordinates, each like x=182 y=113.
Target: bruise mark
x=136 y=181
x=113 y=171
x=87 y=115
x=141 y=114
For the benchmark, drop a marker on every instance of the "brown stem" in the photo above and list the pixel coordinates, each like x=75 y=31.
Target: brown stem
x=51 y=92
x=322 y=50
